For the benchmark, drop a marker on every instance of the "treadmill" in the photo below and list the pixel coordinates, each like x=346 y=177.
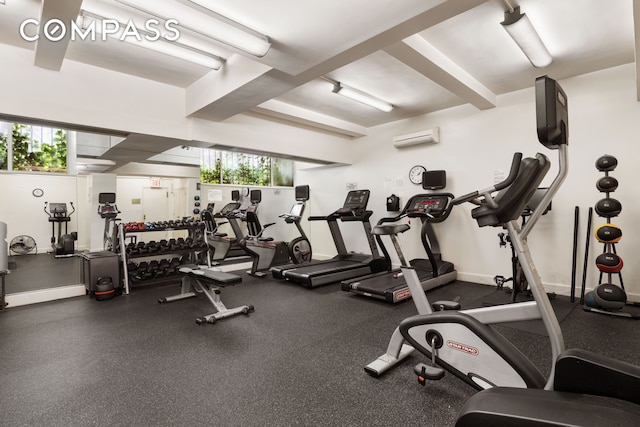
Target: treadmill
x=433 y=271
x=345 y=265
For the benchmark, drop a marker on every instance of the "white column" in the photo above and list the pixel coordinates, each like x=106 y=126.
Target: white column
x=72 y=153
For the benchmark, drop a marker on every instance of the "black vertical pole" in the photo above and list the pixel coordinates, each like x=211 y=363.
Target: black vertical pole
x=586 y=256
x=575 y=253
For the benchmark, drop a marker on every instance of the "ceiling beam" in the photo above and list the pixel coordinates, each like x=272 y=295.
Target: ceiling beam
x=274 y=83
x=138 y=148
x=223 y=85
x=282 y=110
x=50 y=54
x=423 y=57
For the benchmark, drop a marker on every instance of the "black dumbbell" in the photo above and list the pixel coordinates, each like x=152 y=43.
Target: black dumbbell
x=163 y=268
x=132 y=249
x=152 y=247
x=154 y=266
x=141 y=272
x=163 y=245
x=173 y=266
x=141 y=248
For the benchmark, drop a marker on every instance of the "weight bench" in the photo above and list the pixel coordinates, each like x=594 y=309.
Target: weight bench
x=207 y=282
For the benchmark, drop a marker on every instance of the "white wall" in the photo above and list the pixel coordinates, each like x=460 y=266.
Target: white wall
x=93 y=96
x=474 y=144
x=24 y=214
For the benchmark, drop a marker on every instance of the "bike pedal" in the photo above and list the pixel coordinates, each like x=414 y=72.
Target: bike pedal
x=426 y=372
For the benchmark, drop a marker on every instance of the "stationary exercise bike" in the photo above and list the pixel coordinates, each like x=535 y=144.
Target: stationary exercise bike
x=108 y=210
x=64 y=244
x=518 y=279
x=583 y=388
x=461 y=341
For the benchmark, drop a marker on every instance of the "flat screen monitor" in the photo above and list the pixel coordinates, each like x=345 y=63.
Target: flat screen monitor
x=434 y=180
x=107 y=198
x=255 y=196
x=552 y=116
x=302 y=193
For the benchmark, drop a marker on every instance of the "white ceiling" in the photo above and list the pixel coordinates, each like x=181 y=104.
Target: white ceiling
x=420 y=55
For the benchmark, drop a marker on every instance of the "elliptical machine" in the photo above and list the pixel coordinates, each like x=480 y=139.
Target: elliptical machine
x=108 y=211
x=64 y=244
x=299 y=248
x=264 y=250
x=222 y=246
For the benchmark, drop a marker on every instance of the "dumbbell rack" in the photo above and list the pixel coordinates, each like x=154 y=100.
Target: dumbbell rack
x=187 y=250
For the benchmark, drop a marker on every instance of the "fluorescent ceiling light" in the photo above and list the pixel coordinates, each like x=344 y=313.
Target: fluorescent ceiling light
x=520 y=29
x=174 y=49
x=362 y=97
x=221 y=30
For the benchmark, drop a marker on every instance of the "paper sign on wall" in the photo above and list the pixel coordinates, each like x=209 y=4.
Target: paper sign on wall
x=214 y=195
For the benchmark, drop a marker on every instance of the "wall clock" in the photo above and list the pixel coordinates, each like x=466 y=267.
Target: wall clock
x=415 y=174
x=37 y=192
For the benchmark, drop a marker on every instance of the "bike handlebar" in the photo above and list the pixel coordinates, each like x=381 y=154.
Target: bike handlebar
x=486 y=193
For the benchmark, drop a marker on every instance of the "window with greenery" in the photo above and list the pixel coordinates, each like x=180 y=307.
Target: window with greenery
x=227 y=167
x=33 y=148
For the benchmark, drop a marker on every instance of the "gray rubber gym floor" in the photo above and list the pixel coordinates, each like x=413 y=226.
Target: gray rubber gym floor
x=296 y=361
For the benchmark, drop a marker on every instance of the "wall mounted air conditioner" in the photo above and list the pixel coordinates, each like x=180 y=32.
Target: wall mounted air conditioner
x=428 y=136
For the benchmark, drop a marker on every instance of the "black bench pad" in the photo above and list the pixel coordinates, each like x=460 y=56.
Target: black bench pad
x=219 y=278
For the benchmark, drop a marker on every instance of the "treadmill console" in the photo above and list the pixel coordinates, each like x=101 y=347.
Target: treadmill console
x=429 y=205
x=228 y=209
x=355 y=203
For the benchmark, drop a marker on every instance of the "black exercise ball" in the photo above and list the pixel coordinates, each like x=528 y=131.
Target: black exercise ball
x=606 y=163
x=607 y=184
x=609 y=263
x=609 y=296
x=608 y=207
x=608 y=233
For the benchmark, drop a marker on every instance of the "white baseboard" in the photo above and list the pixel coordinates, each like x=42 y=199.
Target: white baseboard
x=43 y=295
x=558 y=288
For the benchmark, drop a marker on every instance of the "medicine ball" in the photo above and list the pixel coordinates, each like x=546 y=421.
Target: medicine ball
x=607 y=184
x=608 y=233
x=609 y=296
x=589 y=300
x=104 y=289
x=609 y=262
x=606 y=163
x=608 y=207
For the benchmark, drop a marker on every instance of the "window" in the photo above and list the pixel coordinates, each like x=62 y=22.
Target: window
x=230 y=167
x=33 y=148
x=4 y=131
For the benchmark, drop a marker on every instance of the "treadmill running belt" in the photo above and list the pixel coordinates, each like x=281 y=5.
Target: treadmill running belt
x=320 y=269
